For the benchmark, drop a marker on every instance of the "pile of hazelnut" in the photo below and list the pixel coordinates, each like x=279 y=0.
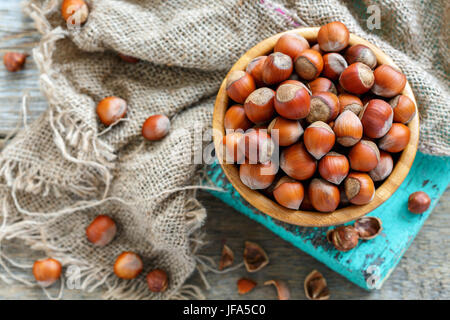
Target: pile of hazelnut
x=352 y=110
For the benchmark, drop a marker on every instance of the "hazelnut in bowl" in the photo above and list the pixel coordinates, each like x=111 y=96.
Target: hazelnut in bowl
x=315 y=126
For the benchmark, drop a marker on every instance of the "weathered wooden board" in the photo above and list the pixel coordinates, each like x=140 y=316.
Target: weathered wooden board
x=372 y=261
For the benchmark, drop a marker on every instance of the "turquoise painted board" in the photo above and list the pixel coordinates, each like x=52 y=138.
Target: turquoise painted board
x=372 y=261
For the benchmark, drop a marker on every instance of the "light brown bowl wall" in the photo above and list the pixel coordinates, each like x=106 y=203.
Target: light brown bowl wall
x=308 y=218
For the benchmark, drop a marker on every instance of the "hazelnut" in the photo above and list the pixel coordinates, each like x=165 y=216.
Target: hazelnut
x=74 y=12
x=255 y=69
x=157 y=280
x=306 y=203
x=418 y=202
x=361 y=53
x=282 y=288
x=101 y=231
x=111 y=109
x=324 y=195
x=368 y=227
x=128 y=59
x=47 y=271
x=309 y=64
x=239 y=85
x=297 y=163
x=319 y=139
x=344 y=238
x=359 y=188
x=350 y=102
x=245 y=285
x=316 y=47
x=396 y=139
x=227 y=257
x=376 y=118
x=322 y=84
x=14 y=61
x=156 y=127
x=324 y=107
x=277 y=68
x=333 y=37
x=259 y=105
x=289 y=131
x=348 y=129
x=291 y=44
x=357 y=78
x=389 y=82
x=289 y=193
x=334 y=167
x=333 y=65
x=255 y=258
x=257 y=146
x=128 y=265
x=364 y=156
x=235 y=118
x=231 y=145
x=404 y=108
x=292 y=101
x=315 y=286
x=257 y=176
x=383 y=168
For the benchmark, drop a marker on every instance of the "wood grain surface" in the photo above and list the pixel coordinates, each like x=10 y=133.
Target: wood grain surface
x=423 y=273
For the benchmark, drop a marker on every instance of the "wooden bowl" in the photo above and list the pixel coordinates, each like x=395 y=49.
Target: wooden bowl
x=311 y=218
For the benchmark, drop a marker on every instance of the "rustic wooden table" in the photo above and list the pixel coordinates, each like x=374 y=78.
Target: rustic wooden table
x=423 y=273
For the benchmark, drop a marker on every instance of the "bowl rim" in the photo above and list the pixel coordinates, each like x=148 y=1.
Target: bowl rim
x=313 y=218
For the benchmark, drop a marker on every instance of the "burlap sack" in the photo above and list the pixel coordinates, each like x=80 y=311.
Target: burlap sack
x=64 y=169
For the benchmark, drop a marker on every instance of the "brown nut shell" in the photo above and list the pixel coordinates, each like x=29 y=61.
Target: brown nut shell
x=289 y=131
x=357 y=78
x=368 y=227
x=324 y=195
x=359 y=188
x=344 y=238
x=333 y=37
x=404 y=108
x=291 y=44
x=389 y=82
x=255 y=69
x=376 y=118
x=257 y=176
x=74 y=11
x=111 y=109
x=235 y=118
x=157 y=280
x=315 y=286
x=259 y=105
x=282 y=288
x=289 y=193
x=239 y=85
x=101 y=231
x=128 y=265
x=245 y=285
x=47 y=271
x=383 y=168
x=334 y=167
x=321 y=84
x=396 y=139
x=277 y=68
x=227 y=257
x=350 y=102
x=292 y=101
x=418 y=202
x=232 y=152
x=309 y=64
x=255 y=258
x=348 y=129
x=333 y=65
x=156 y=127
x=319 y=139
x=257 y=146
x=14 y=61
x=361 y=53
x=297 y=163
x=324 y=107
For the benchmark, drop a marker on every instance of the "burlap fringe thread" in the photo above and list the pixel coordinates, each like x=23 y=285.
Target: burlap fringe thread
x=20 y=177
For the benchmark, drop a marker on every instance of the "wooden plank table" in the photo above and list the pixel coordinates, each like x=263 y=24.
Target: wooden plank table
x=424 y=272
